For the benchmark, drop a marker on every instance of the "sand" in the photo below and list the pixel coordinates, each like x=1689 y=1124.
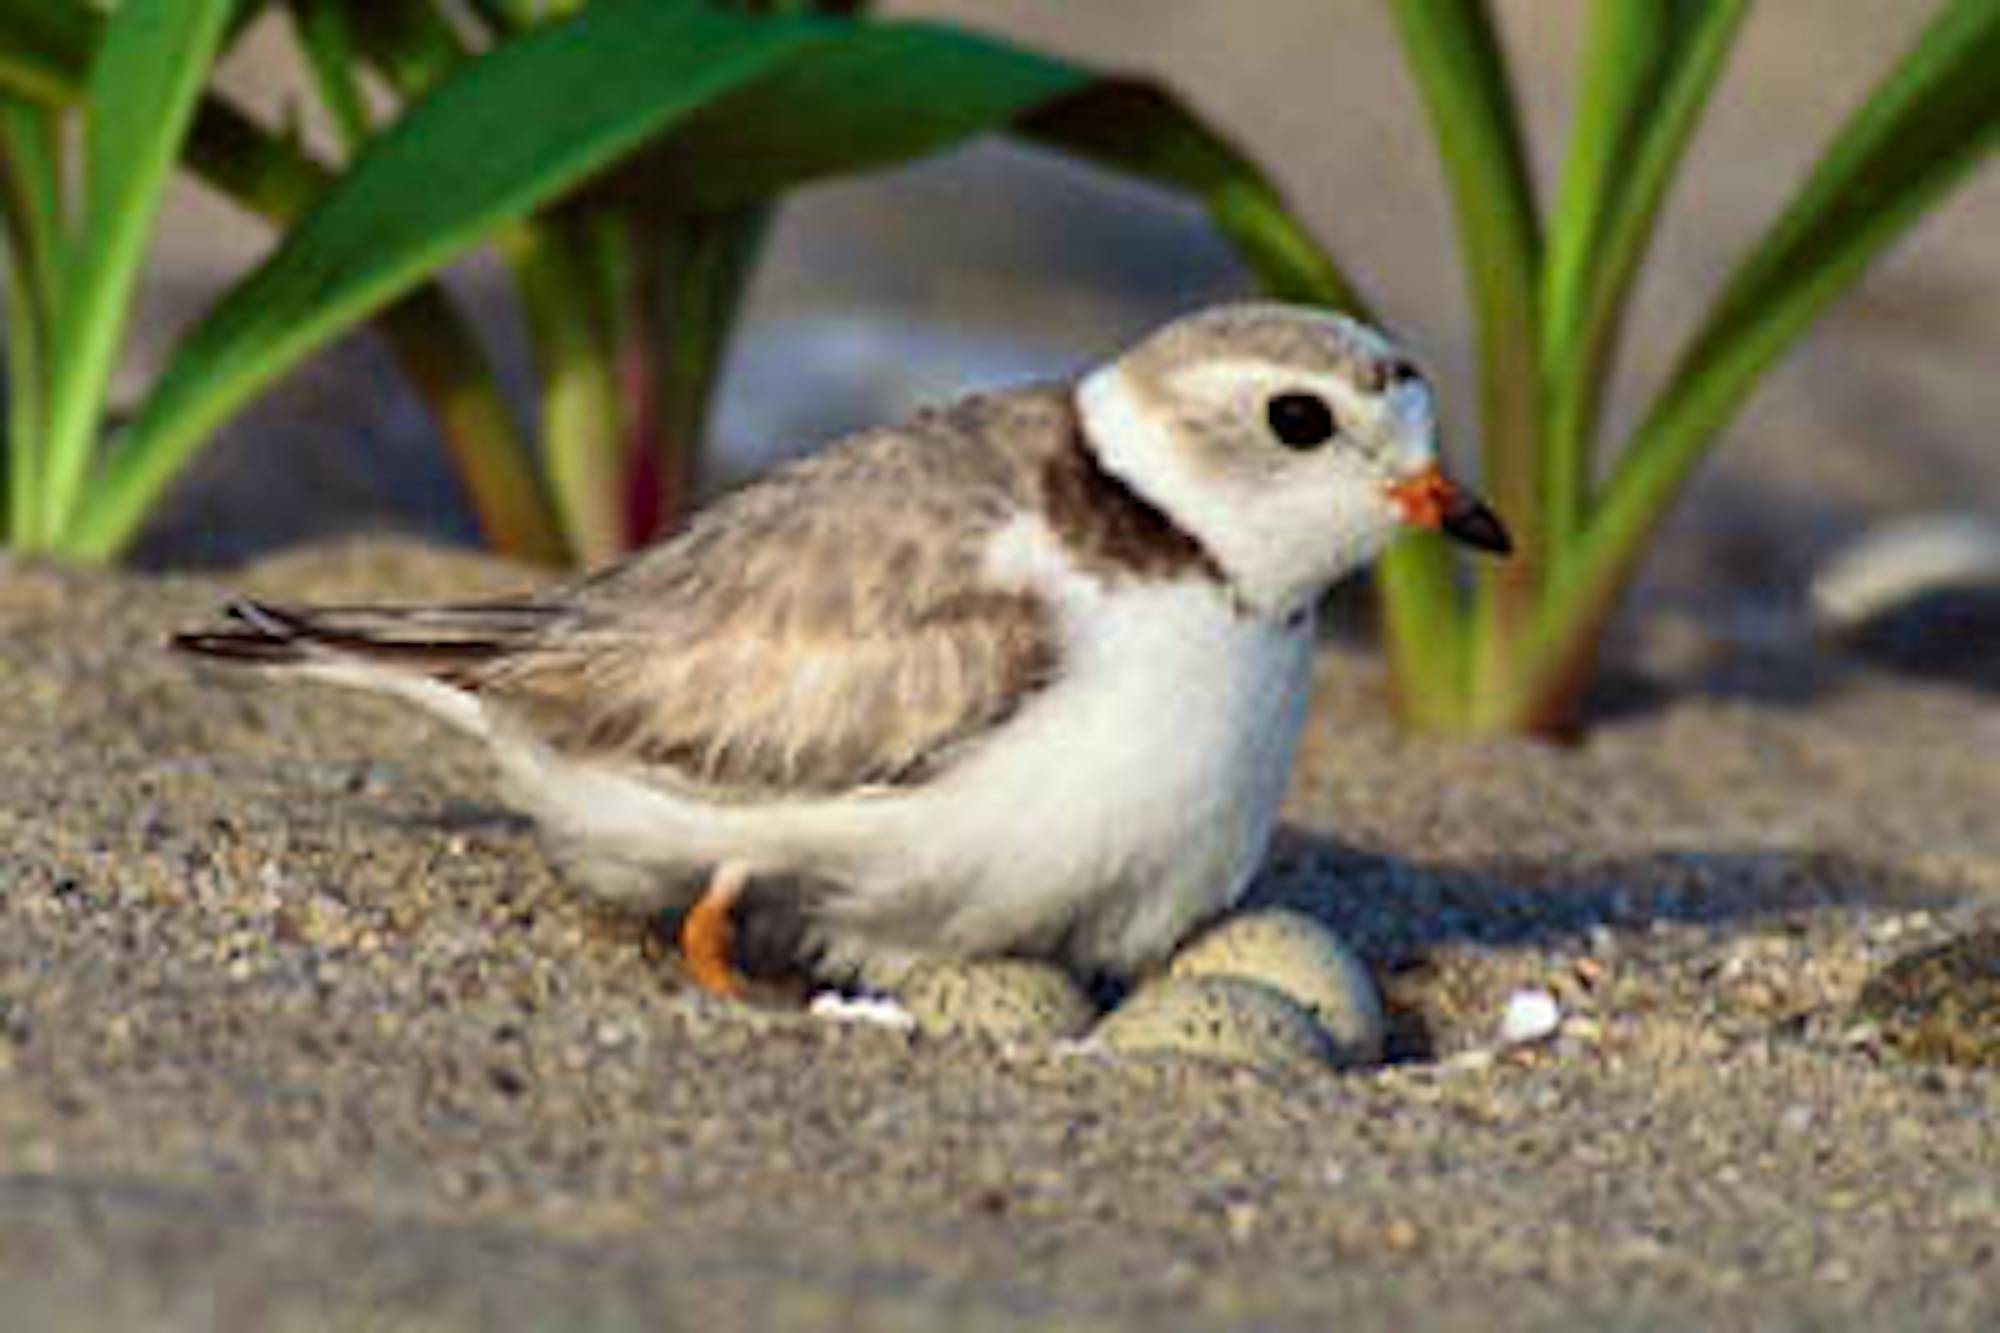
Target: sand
x=297 y=1030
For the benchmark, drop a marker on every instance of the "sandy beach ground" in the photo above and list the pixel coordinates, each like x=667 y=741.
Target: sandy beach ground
x=299 y=1031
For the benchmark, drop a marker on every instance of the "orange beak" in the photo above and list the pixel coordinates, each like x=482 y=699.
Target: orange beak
x=1429 y=499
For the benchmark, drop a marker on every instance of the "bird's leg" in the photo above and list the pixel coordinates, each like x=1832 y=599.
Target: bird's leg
x=708 y=934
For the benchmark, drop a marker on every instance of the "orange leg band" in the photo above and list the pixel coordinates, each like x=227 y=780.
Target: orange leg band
x=708 y=934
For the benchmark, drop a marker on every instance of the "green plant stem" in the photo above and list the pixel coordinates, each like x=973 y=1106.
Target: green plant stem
x=581 y=417
x=410 y=43
x=323 y=31
x=1427 y=633
x=31 y=209
x=1456 y=56
x=18 y=484
x=629 y=265
x=703 y=276
x=1648 y=70
x=144 y=85
x=447 y=365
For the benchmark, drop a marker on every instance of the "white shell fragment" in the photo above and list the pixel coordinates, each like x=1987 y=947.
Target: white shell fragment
x=1530 y=1015
x=877 y=1009
x=1303 y=960
x=1216 y=1018
x=1006 y=999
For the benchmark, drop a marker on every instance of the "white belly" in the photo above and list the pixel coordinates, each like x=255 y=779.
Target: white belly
x=1128 y=801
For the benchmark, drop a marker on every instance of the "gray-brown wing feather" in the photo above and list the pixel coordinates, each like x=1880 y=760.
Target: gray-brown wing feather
x=824 y=630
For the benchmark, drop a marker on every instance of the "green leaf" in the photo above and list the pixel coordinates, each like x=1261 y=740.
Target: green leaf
x=507 y=134
x=1454 y=52
x=148 y=75
x=1649 y=67
x=31 y=210
x=737 y=107
x=532 y=120
x=870 y=95
x=1932 y=120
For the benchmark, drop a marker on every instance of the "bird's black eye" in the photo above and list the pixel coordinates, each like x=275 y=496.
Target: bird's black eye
x=1300 y=420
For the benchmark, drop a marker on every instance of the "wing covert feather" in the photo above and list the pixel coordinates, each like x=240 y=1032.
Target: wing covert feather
x=824 y=630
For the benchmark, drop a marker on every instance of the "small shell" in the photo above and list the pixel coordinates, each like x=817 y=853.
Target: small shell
x=874 y=1009
x=1004 y=998
x=1216 y=1018
x=1303 y=960
x=1530 y=1016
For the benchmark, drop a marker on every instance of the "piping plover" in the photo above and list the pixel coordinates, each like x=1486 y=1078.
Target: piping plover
x=1022 y=675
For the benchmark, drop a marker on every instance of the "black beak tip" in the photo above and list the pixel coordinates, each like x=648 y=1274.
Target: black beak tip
x=1477 y=526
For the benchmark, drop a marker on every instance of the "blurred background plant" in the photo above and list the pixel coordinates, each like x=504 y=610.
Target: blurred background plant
x=1550 y=291
x=623 y=157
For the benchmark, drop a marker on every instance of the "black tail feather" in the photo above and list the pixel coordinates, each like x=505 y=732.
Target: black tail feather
x=445 y=642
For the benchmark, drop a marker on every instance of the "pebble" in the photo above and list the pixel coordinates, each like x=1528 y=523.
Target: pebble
x=1007 y=999
x=1898 y=562
x=1920 y=596
x=1299 y=958
x=1530 y=1016
x=1217 y=1018
x=1401 y=1234
x=1940 y=1004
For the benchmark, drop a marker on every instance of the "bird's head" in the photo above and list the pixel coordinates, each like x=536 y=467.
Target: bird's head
x=1293 y=444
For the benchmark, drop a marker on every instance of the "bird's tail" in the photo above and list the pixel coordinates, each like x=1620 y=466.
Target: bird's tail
x=443 y=642
x=433 y=655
